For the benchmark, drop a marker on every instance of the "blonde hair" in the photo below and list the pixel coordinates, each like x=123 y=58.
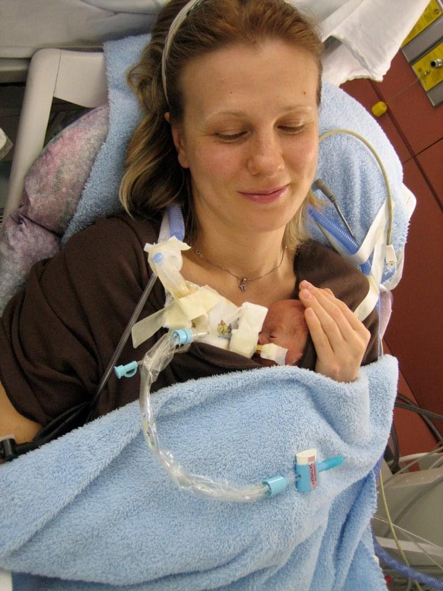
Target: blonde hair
x=153 y=177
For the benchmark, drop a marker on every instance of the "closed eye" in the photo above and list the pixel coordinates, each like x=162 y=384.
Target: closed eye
x=235 y=136
x=292 y=129
x=229 y=138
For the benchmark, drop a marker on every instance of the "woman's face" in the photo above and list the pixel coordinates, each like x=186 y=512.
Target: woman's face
x=249 y=135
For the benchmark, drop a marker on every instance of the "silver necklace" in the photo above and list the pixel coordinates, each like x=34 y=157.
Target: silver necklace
x=242 y=280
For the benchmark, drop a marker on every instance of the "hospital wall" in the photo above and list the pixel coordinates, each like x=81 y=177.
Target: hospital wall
x=415 y=333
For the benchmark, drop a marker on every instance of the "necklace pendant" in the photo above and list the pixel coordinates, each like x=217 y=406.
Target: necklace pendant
x=242 y=284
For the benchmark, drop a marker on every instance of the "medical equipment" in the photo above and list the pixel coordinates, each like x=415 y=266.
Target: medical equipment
x=166 y=261
x=305 y=474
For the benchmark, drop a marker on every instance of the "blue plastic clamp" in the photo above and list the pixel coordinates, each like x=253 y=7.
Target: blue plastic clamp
x=184 y=335
x=276 y=484
x=126 y=371
x=308 y=473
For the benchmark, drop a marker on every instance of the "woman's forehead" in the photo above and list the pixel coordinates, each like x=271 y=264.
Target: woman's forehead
x=234 y=80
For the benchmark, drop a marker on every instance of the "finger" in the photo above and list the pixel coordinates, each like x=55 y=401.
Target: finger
x=347 y=312
x=319 y=338
x=350 y=316
x=329 y=316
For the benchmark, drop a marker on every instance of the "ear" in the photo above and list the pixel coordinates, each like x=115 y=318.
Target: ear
x=178 y=139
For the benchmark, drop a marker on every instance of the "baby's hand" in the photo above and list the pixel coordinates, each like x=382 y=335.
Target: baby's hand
x=339 y=338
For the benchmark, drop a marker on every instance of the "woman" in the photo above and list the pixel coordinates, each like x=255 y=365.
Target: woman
x=231 y=133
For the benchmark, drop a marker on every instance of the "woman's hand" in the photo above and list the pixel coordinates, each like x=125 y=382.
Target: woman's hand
x=339 y=338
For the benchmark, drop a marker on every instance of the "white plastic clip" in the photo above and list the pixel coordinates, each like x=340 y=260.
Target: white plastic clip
x=390 y=256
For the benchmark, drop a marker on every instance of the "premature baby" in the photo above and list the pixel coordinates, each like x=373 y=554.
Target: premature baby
x=285 y=326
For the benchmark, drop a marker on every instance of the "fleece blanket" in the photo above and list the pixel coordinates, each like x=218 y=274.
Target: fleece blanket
x=95 y=510
x=345 y=164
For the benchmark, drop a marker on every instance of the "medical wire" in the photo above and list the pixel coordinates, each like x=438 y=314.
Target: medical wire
x=415 y=499
x=320 y=184
x=124 y=338
x=420 y=411
x=395 y=467
x=406 y=533
x=426 y=419
x=413 y=406
x=391 y=479
x=407 y=570
x=391 y=525
x=414 y=538
x=331 y=132
x=437 y=463
x=419 y=456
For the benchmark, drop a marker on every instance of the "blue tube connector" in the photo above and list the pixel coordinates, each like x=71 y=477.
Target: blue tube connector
x=184 y=336
x=126 y=371
x=276 y=484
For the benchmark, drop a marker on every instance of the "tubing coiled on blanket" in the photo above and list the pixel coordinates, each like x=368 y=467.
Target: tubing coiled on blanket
x=154 y=361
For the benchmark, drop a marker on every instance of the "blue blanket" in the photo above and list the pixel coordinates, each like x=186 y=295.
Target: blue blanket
x=94 y=509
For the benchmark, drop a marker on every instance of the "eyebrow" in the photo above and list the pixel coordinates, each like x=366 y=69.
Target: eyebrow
x=239 y=113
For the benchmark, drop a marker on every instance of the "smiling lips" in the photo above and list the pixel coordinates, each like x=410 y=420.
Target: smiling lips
x=267 y=196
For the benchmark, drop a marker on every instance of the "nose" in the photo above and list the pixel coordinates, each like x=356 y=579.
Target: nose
x=265 y=156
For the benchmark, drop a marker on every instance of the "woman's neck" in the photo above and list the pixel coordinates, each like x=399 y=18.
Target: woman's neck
x=225 y=261
x=243 y=255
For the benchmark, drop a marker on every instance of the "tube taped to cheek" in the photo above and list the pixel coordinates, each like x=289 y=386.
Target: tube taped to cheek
x=274 y=352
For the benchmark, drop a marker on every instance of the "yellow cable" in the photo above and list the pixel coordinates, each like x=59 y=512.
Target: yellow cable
x=391 y=525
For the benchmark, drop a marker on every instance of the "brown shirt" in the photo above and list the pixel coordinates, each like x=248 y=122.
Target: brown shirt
x=58 y=335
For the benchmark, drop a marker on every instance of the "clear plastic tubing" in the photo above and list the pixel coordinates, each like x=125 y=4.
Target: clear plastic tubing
x=347 y=240
x=155 y=360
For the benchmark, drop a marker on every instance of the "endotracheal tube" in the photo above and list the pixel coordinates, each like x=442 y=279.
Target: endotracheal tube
x=155 y=360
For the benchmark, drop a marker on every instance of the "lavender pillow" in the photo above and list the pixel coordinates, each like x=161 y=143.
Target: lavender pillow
x=53 y=187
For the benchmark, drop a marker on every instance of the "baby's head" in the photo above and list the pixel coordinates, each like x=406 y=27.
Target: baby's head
x=285 y=325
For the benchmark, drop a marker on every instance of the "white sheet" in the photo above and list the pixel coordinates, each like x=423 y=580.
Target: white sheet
x=368 y=33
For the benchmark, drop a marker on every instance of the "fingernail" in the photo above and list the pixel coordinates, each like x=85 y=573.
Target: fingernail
x=306 y=284
x=306 y=294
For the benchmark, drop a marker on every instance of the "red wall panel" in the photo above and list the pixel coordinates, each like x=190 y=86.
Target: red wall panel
x=415 y=333
x=420 y=122
x=431 y=162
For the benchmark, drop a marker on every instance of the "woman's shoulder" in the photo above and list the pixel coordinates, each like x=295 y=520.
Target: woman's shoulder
x=323 y=267
x=108 y=251
x=114 y=230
